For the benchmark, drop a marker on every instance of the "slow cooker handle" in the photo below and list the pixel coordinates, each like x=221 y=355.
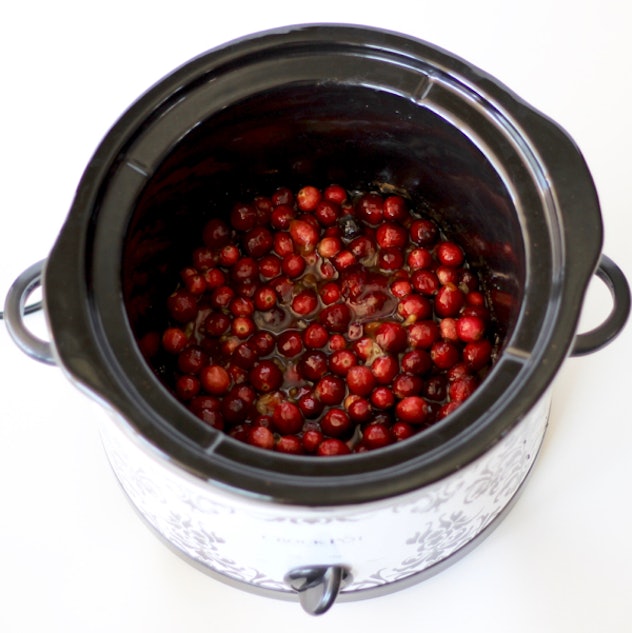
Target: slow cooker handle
x=317 y=586
x=15 y=309
x=604 y=333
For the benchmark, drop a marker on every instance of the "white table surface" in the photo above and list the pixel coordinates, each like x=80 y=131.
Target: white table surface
x=73 y=554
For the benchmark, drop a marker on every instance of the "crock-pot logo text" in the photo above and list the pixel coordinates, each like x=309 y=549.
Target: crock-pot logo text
x=324 y=541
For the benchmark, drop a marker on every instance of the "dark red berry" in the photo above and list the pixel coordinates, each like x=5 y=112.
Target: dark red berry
x=266 y=376
x=287 y=418
x=411 y=409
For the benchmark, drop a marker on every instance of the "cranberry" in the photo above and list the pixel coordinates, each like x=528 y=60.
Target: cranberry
x=281 y=216
x=337 y=342
x=245 y=270
x=402 y=431
x=336 y=317
x=293 y=265
x=221 y=297
x=390 y=259
x=304 y=235
x=289 y=444
x=229 y=255
x=174 y=340
x=411 y=409
x=444 y=354
x=359 y=409
x=370 y=208
x=448 y=330
x=362 y=247
x=329 y=246
x=182 y=306
x=283 y=195
x=261 y=437
x=266 y=376
x=395 y=209
x=336 y=422
x=342 y=361
x=477 y=354
x=242 y=327
x=269 y=266
x=330 y=293
x=258 y=241
x=423 y=232
x=327 y=212
x=382 y=398
x=290 y=343
x=305 y=302
x=405 y=385
x=313 y=365
x=462 y=388
x=330 y=389
x=425 y=282
x=283 y=244
x=265 y=298
x=216 y=233
x=310 y=405
x=335 y=193
x=149 y=344
x=215 y=379
x=332 y=446
x=287 y=418
x=241 y=306
x=470 y=328
x=263 y=343
x=391 y=337
x=376 y=436
x=244 y=356
x=390 y=235
x=315 y=336
x=191 y=360
x=312 y=440
x=187 y=387
x=401 y=288
x=360 y=380
x=449 y=301
x=450 y=254
x=307 y=198
x=234 y=408
x=414 y=307
x=243 y=217
x=417 y=361
x=344 y=259
x=384 y=369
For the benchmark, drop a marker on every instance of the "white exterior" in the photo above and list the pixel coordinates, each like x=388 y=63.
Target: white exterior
x=380 y=542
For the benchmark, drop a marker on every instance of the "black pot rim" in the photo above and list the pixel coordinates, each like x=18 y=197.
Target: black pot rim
x=95 y=345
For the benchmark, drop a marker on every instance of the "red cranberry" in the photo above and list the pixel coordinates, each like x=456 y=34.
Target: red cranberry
x=362 y=247
x=244 y=356
x=384 y=369
x=342 y=361
x=359 y=410
x=395 y=209
x=390 y=235
x=336 y=317
x=281 y=216
x=462 y=388
x=335 y=193
x=216 y=233
x=470 y=328
x=405 y=385
x=242 y=327
x=283 y=244
x=243 y=217
x=234 y=408
x=293 y=265
x=174 y=340
x=283 y=195
x=477 y=354
x=327 y=212
x=263 y=342
x=245 y=270
x=417 y=361
x=229 y=255
x=266 y=376
x=330 y=389
x=310 y=405
x=270 y=266
x=337 y=342
x=444 y=354
x=329 y=246
x=402 y=431
x=360 y=380
x=215 y=379
x=311 y=440
x=448 y=275
x=336 y=423
x=258 y=241
x=265 y=298
x=423 y=232
x=390 y=259
x=241 y=306
x=305 y=302
x=221 y=297
x=287 y=418
x=307 y=198
x=449 y=254
x=449 y=301
x=448 y=329
x=391 y=337
x=330 y=293
x=304 y=235
x=191 y=360
x=344 y=259
x=182 y=306
x=401 y=288
x=261 y=437
x=216 y=324
x=332 y=446
x=313 y=365
x=289 y=444
x=419 y=258
x=411 y=409
x=315 y=336
x=415 y=307
x=376 y=436
x=290 y=343
x=187 y=387
x=425 y=282
x=382 y=398
x=370 y=208
x=195 y=284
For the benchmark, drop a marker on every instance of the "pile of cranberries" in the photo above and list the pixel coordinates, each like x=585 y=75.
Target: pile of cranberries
x=319 y=322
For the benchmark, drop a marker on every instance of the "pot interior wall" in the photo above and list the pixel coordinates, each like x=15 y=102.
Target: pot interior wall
x=356 y=136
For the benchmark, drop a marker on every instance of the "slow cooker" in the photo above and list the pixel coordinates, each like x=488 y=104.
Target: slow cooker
x=368 y=109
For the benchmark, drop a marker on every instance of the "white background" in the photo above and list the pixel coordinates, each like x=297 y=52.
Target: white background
x=73 y=554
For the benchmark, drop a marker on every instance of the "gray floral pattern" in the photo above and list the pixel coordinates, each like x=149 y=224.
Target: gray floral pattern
x=258 y=543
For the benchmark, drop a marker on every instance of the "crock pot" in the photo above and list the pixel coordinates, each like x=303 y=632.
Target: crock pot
x=367 y=109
